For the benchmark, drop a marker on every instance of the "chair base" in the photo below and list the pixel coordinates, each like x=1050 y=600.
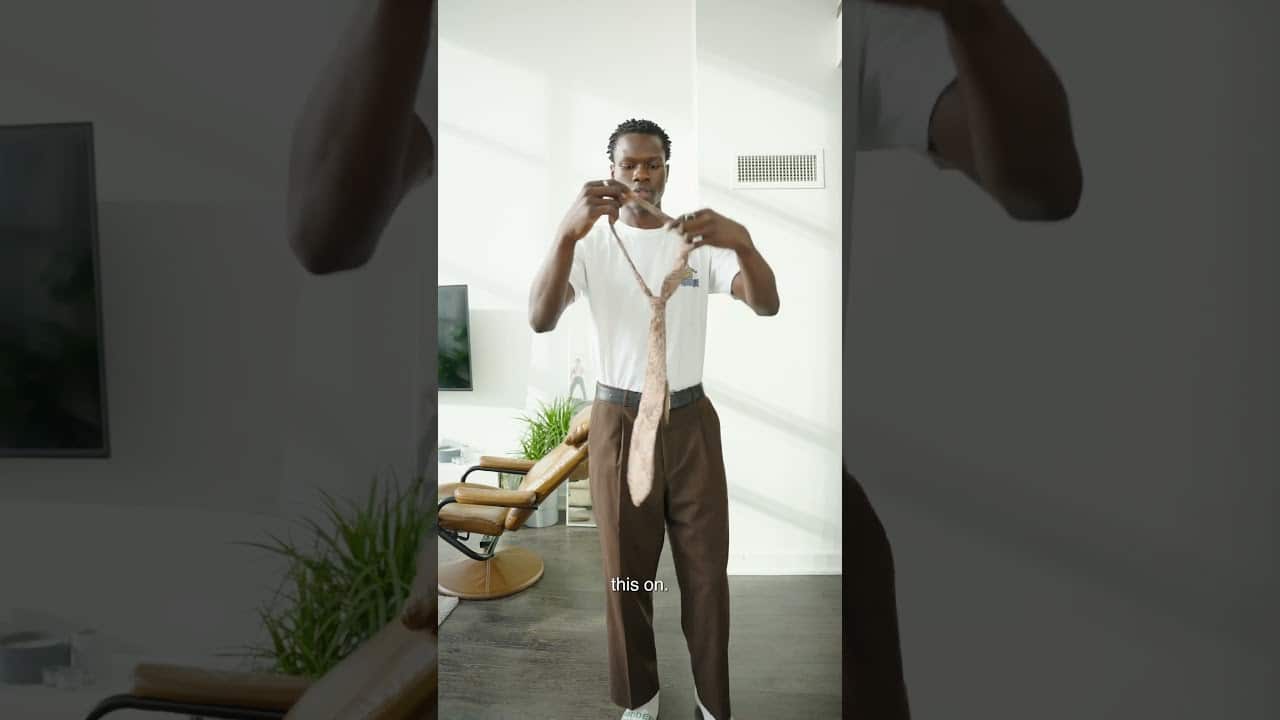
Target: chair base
x=506 y=573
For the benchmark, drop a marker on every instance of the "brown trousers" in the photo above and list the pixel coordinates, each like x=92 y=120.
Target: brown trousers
x=874 y=686
x=690 y=501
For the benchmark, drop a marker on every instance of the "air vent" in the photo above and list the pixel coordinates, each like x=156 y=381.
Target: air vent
x=803 y=170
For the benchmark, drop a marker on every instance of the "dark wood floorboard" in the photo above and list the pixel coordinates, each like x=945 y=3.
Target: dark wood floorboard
x=542 y=652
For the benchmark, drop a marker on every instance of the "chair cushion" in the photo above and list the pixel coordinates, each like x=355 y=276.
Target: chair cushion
x=552 y=469
x=550 y=472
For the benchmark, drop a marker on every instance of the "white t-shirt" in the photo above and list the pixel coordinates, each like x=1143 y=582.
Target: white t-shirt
x=897 y=64
x=621 y=311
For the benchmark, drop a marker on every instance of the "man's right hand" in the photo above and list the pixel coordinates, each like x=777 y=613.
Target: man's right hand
x=597 y=198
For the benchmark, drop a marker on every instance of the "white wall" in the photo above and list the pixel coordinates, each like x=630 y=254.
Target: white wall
x=768 y=82
x=237 y=385
x=527 y=107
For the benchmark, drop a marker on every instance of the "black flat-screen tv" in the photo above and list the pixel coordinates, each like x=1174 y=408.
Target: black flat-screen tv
x=453 y=329
x=52 y=380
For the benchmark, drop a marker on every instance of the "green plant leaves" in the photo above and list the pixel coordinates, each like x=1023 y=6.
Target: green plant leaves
x=547 y=428
x=349 y=580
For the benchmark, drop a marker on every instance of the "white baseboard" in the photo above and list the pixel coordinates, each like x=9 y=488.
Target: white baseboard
x=780 y=564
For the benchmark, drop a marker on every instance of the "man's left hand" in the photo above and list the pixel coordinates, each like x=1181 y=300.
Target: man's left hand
x=419 y=609
x=708 y=227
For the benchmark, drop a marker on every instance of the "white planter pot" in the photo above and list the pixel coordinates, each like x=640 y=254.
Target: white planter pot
x=548 y=513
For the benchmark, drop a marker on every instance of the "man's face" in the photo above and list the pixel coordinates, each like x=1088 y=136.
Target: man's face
x=639 y=163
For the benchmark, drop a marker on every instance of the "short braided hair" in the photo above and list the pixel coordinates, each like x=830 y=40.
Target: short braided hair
x=642 y=127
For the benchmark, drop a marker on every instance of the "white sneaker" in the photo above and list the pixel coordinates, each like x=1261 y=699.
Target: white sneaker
x=701 y=713
x=647 y=711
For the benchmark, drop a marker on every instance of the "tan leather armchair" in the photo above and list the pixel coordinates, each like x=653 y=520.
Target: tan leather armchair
x=488 y=574
x=391 y=676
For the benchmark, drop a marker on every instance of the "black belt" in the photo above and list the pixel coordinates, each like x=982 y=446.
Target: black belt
x=631 y=398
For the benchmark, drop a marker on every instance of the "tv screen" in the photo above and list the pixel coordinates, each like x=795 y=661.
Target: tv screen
x=52 y=386
x=453 y=328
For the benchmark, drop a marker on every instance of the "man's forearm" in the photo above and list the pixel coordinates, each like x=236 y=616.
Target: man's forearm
x=759 y=287
x=350 y=148
x=550 y=291
x=1018 y=114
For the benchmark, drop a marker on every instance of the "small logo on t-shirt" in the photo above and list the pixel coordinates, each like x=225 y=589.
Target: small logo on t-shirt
x=690 y=278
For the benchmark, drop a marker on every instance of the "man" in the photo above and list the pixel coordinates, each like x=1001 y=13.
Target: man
x=960 y=82
x=956 y=80
x=576 y=379
x=689 y=497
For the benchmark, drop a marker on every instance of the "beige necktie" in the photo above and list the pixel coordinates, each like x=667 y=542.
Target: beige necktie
x=655 y=398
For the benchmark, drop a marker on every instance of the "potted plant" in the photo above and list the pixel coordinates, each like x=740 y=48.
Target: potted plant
x=543 y=431
x=346 y=579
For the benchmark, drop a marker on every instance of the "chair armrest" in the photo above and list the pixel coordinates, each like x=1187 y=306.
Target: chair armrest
x=266 y=691
x=505 y=464
x=485 y=495
x=493 y=463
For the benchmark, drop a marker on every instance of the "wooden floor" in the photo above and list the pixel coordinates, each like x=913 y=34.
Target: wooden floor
x=542 y=653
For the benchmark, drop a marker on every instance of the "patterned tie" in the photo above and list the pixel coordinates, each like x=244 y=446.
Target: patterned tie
x=655 y=398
